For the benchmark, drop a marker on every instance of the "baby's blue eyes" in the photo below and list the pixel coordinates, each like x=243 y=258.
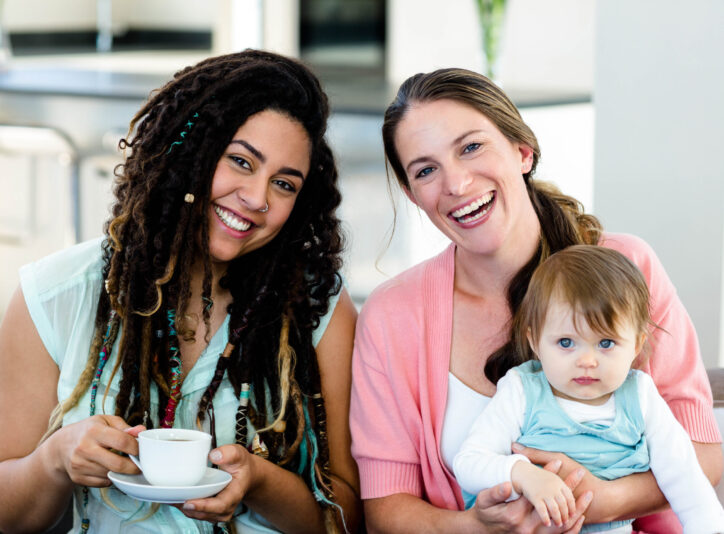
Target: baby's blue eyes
x=565 y=342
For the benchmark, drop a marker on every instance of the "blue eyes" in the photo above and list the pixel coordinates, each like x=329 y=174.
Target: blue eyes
x=567 y=343
x=469 y=148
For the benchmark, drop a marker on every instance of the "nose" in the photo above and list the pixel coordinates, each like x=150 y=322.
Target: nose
x=253 y=193
x=587 y=360
x=457 y=180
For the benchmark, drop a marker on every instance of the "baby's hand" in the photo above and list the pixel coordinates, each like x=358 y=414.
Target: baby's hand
x=548 y=494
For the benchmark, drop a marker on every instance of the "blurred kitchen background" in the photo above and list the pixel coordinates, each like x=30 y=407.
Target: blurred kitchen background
x=625 y=98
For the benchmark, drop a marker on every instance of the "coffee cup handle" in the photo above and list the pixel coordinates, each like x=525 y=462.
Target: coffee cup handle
x=135 y=460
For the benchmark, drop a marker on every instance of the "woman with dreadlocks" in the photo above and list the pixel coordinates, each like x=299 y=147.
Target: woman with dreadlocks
x=213 y=302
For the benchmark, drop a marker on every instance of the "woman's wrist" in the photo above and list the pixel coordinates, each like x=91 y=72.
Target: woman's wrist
x=49 y=453
x=256 y=476
x=606 y=504
x=468 y=521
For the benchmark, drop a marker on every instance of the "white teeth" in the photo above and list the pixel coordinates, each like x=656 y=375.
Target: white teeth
x=473 y=206
x=231 y=221
x=474 y=217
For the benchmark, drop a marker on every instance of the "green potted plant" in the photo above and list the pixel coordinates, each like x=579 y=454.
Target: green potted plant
x=491 y=14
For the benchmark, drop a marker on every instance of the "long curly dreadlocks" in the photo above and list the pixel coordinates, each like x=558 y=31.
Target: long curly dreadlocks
x=279 y=291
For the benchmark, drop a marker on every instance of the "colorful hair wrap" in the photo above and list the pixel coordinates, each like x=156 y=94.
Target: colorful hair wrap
x=321 y=496
x=102 y=359
x=175 y=361
x=184 y=132
x=103 y=356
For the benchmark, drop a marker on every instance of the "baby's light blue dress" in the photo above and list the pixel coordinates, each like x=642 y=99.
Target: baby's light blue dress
x=607 y=451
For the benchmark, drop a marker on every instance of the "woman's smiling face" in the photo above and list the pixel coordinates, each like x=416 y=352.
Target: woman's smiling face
x=265 y=165
x=464 y=173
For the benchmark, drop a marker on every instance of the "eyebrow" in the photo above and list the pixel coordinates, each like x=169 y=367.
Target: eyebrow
x=284 y=170
x=454 y=142
x=292 y=172
x=250 y=148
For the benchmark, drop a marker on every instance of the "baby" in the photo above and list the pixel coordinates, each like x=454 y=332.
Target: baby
x=581 y=326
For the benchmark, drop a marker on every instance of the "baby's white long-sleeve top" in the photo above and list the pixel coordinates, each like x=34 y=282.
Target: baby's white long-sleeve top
x=485 y=458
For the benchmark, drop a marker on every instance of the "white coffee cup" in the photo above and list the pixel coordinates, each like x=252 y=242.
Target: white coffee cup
x=173 y=456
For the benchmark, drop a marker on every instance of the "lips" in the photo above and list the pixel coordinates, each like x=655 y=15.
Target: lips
x=585 y=380
x=232 y=220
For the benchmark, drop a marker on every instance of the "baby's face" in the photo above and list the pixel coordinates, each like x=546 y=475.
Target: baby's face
x=579 y=363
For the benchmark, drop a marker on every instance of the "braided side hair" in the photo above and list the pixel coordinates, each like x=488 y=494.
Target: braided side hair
x=563 y=223
x=279 y=291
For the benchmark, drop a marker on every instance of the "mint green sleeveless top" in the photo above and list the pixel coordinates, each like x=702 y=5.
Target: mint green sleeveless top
x=61 y=292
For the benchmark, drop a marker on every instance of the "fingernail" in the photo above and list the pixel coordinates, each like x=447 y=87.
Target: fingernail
x=588 y=497
x=215 y=456
x=189 y=506
x=517 y=447
x=557 y=464
x=580 y=473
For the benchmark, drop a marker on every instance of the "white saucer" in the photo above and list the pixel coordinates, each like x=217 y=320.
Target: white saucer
x=137 y=486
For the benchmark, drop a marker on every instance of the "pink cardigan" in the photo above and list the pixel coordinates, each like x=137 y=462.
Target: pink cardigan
x=400 y=374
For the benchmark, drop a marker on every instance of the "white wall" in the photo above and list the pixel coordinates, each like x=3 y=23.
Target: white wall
x=423 y=36
x=549 y=44
x=565 y=137
x=546 y=45
x=269 y=24
x=659 y=114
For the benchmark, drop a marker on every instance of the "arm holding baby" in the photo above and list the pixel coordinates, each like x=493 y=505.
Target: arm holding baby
x=674 y=464
x=484 y=459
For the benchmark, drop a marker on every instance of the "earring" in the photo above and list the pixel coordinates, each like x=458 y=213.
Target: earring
x=266 y=208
